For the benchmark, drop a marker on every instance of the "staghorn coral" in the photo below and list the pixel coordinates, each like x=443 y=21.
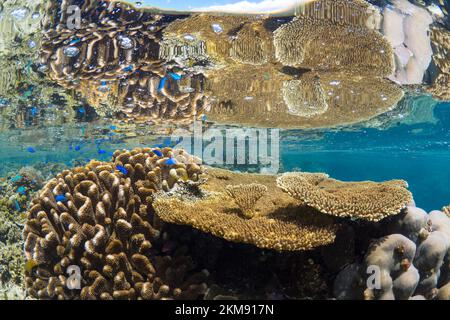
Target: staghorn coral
x=412 y=262
x=279 y=223
x=440 y=40
x=246 y=196
x=363 y=200
x=102 y=226
x=301 y=43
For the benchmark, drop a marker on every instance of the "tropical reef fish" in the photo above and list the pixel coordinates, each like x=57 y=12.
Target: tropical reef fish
x=16 y=178
x=122 y=169
x=171 y=162
x=31 y=150
x=30 y=265
x=162 y=83
x=61 y=198
x=21 y=190
x=157 y=152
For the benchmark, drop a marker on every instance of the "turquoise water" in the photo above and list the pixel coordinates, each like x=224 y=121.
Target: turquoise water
x=417 y=153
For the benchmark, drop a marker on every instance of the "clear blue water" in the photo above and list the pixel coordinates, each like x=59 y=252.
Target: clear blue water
x=418 y=153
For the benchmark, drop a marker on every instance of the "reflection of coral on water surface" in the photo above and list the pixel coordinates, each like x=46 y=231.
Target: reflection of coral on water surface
x=94 y=183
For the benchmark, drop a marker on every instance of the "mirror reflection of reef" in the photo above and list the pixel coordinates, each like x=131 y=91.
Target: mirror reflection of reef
x=334 y=63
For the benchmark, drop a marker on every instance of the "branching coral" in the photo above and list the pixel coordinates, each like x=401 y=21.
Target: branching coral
x=97 y=219
x=279 y=222
x=115 y=65
x=246 y=196
x=364 y=200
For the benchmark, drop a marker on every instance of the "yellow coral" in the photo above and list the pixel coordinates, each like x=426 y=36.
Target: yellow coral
x=246 y=196
x=280 y=223
x=363 y=200
x=95 y=218
x=323 y=45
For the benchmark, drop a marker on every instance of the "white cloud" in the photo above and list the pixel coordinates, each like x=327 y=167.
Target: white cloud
x=264 y=6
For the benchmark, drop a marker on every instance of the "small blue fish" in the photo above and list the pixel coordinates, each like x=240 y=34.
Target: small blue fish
x=31 y=150
x=162 y=83
x=21 y=190
x=157 y=152
x=100 y=151
x=128 y=69
x=77 y=148
x=16 y=203
x=204 y=117
x=34 y=111
x=122 y=169
x=175 y=76
x=113 y=127
x=82 y=110
x=61 y=198
x=171 y=162
x=16 y=178
x=74 y=41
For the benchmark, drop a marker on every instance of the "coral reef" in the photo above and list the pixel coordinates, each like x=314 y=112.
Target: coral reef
x=269 y=98
x=364 y=200
x=407 y=27
x=98 y=219
x=278 y=222
x=301 y=44
x=440 y=40
x=410 y=263
x=115 y=65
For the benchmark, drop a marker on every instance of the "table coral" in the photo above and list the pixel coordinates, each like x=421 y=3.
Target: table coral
x=246 y=196
x=93 y=218
x=279 y=222
x=363 y=200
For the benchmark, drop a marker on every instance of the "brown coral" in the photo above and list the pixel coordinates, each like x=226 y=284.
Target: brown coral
x=316 y=99
x=440 y=39
x=363 y=200
x=340 y=12
x=246 y=196
x=280 y=223
x=94 y=218
x=324 y=45
x=115 y=65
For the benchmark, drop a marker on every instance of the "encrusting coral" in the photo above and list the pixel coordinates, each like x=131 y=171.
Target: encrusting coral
x=279 y=222
x=363 y=200
x=410 y=263
x=97 y=218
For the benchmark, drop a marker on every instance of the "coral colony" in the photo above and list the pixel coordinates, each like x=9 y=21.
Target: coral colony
x=93 y=206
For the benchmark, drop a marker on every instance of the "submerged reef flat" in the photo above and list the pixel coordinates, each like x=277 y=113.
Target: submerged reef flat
x=334 y=63
x=118 y=224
